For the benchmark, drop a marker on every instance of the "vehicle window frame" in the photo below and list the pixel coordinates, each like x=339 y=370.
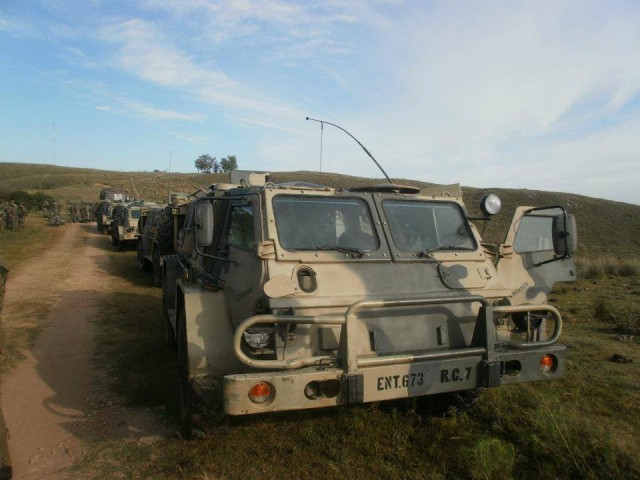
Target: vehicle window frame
x=228 y=222
x=546 y=217
x=379 y=239
x=400 y=254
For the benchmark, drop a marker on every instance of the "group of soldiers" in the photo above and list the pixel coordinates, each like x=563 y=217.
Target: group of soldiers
x=12 y=215
x=82 y=212
x=51 y=210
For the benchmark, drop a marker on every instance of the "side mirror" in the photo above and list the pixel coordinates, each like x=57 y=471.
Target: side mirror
x=204 y=224
x=565 y=235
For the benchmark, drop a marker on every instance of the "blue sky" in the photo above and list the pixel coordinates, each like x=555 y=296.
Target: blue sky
x=539 y=95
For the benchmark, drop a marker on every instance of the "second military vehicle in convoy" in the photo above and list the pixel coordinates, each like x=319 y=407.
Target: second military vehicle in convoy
x=124 y=224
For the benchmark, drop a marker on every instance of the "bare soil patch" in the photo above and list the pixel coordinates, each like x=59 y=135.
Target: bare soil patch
x=56 y=400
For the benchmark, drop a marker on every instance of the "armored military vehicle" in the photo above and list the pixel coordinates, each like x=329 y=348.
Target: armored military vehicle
x=298 y=296
x=124 y=224
x=156 y=234
x=155 y=239
x=109 y=197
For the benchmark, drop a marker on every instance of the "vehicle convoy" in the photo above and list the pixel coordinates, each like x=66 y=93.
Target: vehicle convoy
x=156 y=234
x=298 y=296
x=124 y=224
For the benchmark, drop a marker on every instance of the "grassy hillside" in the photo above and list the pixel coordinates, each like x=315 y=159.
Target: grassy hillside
x=606 y=228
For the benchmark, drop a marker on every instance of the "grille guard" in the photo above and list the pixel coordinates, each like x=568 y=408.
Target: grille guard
x=484 y=340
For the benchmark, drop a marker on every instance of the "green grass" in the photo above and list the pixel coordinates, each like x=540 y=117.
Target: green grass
x=586 y=425
x=20 y=245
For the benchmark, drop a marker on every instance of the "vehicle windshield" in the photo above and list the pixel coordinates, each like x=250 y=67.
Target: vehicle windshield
x=135 y=213
x=324 y=223
x=423 y=227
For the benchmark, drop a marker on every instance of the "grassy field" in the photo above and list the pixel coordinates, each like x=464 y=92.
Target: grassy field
x=586 y=425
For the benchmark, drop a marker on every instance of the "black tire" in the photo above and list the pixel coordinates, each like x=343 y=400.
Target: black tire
x=143 y=263
x=120 y=245
x=183 y=374
x=449 y=404
x=155 y=266
x=165 y=232
x=169 y=334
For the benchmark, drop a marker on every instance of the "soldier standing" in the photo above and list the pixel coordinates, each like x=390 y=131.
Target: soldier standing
x=12 y=212
x=5 y=459
x=22 y=214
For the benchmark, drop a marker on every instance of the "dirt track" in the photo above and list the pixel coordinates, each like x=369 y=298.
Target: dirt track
x=55 y=401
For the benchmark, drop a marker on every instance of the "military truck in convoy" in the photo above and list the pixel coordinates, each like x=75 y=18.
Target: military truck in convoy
x=296 y=295
x=124 y=224
x=109 y=197
x=156 y=234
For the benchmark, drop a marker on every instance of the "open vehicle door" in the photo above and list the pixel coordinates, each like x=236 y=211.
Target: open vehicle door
x=538 y=252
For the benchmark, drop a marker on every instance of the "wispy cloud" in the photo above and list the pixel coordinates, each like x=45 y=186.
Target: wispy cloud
x=143 y=51
x=193 y=139
x=153 y=113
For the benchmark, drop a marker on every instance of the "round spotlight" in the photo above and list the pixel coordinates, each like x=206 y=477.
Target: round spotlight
x=490 y=204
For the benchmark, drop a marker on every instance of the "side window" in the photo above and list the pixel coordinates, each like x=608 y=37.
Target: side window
x=534 y=234
x=241 y=232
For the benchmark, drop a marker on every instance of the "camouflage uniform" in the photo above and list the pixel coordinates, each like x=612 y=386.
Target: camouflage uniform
x=2 y=217
x=5 y=459
x=22 y=213
x=12 y=214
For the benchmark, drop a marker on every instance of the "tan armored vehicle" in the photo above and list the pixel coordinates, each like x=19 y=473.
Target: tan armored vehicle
x=299 y=296
x=156 y=235
x=109 y=197
x=124 y=224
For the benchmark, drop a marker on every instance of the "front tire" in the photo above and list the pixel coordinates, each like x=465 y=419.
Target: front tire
x=155 y=266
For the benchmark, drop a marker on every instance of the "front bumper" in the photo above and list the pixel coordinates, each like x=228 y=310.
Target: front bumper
x=388 y=382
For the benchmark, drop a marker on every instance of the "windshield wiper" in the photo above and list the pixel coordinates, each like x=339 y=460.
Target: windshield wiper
x=353 y=251
x=429 y=251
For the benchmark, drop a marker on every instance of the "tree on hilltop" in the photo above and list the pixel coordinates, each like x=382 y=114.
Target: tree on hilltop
x=206 y=164
x=229 y=163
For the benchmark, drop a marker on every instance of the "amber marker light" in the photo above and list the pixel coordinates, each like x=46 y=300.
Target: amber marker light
x=548 y=364
x=261 y=392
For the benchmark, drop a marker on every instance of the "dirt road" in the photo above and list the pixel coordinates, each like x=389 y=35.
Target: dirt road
x=55 y=401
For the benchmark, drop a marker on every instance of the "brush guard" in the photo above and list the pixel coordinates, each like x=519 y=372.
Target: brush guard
x=484 y=340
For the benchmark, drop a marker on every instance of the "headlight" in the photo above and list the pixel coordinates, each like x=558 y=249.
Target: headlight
x=490 y=204
x=257 y=339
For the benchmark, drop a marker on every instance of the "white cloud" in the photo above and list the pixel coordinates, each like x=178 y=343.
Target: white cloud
x=153 y=113
x=193 y=139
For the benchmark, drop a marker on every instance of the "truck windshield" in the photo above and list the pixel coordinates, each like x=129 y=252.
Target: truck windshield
x=423 y=227
x=324 y=223
x=135 y=214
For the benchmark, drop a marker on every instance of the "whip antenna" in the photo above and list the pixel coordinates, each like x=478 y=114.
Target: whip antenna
x=354 y=138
